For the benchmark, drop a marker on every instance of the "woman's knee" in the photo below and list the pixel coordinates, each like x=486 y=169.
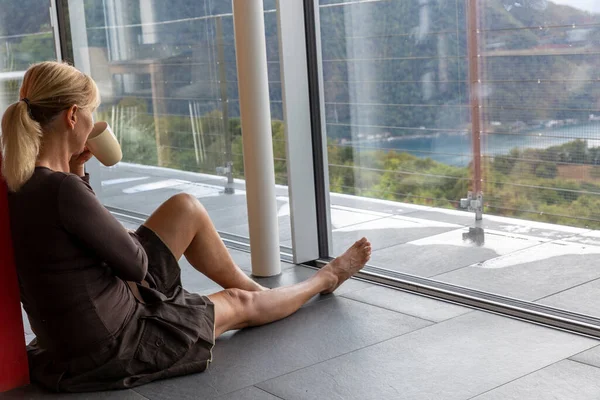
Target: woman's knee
x=233 y=308
x=244 y=304
x=186 y=203
x=239 y=297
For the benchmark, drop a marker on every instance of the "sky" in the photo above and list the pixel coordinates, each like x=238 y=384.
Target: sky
x=587 y=5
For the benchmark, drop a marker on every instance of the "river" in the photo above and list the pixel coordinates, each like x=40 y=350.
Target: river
x=455 y=149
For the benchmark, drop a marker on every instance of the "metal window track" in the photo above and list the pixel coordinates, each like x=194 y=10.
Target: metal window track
x=505 y=306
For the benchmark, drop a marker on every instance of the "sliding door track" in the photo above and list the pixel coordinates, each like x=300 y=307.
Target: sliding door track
x=506 y=306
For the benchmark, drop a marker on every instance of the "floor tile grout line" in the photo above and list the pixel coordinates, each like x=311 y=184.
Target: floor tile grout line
x=359 y=223
x=365 y=347
x=388 y=247
x=464 y=266
x=408 y=242
x=389 y=309
x=414 y=294
x=572 y=287
x=520 y=377
x=458 y=226
x=500 y=255
x=583 y=351
x=533 y=238
x=567 y=289
x=266 y=391
x=459 y=268
x=135 y=391
x=582 y=362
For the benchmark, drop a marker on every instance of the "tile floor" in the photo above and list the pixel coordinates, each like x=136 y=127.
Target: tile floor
x=371 y=342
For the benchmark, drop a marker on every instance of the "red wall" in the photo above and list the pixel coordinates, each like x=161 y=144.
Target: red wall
x=14 y=371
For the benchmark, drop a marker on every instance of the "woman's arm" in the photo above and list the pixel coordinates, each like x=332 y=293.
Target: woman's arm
x=86 y=218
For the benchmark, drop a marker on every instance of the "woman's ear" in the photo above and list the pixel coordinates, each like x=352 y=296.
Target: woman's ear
x=71 y=116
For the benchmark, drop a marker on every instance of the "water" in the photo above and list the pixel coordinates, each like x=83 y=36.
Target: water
x=455 y=149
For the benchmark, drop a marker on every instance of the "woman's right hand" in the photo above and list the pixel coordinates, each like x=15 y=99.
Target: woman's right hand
x=76 y=164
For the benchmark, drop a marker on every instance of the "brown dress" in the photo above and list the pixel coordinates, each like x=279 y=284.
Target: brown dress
x=106 y=305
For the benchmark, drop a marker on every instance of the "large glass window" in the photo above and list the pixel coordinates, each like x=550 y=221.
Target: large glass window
x=539 y=96
x=428 y=100
x=167 y=73
x=397 y=116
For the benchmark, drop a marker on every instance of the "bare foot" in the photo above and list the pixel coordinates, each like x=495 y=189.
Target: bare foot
x=346 y=265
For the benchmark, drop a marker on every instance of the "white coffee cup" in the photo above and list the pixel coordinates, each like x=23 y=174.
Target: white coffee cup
x=104 y=145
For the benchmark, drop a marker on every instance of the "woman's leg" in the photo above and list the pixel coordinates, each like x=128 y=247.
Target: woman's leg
x=185 y=227
x=236 y=309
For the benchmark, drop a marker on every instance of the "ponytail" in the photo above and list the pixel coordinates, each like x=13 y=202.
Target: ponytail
x=21 y=139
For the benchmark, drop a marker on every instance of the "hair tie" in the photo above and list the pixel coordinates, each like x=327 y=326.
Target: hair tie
x=26 y=100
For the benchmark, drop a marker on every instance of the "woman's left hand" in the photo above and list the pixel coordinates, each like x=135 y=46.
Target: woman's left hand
x=78 y=160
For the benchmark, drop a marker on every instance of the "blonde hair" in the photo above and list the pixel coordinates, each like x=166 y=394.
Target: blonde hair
x=48 y=89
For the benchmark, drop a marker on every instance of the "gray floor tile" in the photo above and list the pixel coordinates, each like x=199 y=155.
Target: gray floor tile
x=26 y=324
x=581 y=299
x=225 y=218
x=407 y=303
x=448 y=251
x=139 y=204
x=386 y=232
x=591 y=357
x=566 y=380
x=147 y=201
x=534 y=229
x=250 y=393
x=33 y=392
x=111 y=191
x=464 y=218
x=223 y=201
x=285 y=229
x=195 y=281
x=242 y=259
x=590 y=238
x=314 y=334
x=532 y=273
x=29 y=335
x=342 y=216
x=540 y=230
x=363 y=203
x=455 y=359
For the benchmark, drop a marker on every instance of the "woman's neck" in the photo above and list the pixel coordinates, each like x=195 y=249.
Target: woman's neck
x=54 y=154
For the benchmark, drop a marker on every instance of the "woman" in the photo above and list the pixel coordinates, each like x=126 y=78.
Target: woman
x=106 y=304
